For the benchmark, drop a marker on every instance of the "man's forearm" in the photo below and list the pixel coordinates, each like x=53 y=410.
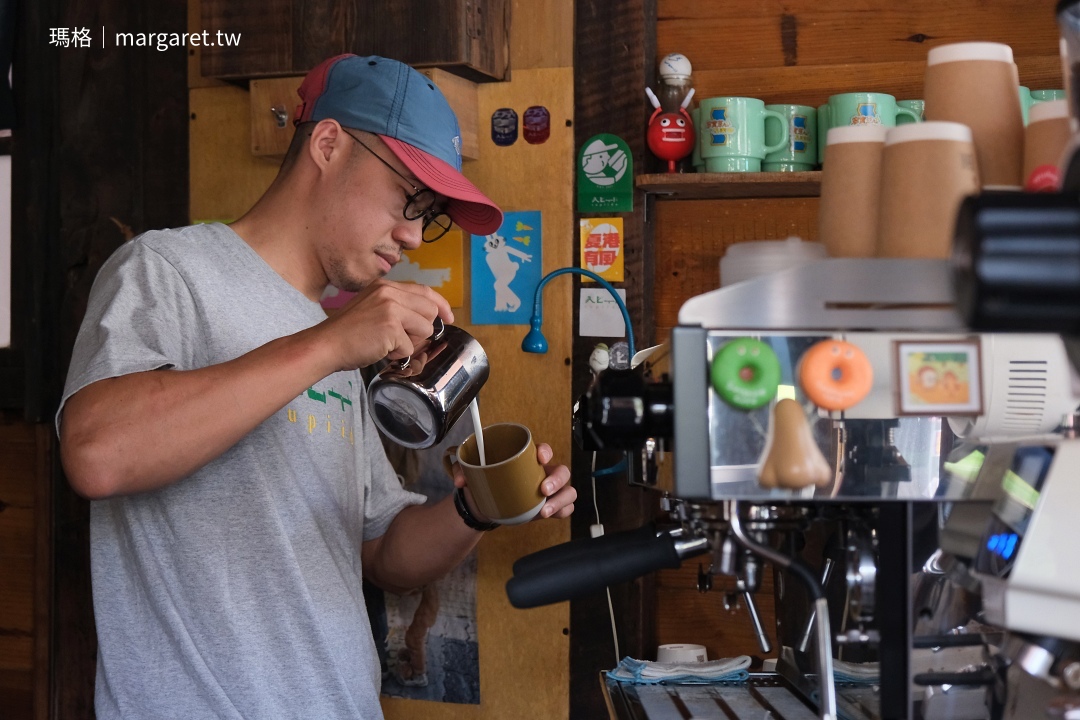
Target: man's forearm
x=147 y=430
x=423 y=543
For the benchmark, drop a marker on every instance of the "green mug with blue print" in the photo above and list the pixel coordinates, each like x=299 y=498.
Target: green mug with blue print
x=915 y=106
x=861 y=108
x=800 y=153
x=732 y=135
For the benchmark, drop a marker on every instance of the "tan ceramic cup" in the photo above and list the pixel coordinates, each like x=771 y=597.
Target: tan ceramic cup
x=976 y=84
x=507 y=488
x=1046 y=135
x=926 y=170
x=850 y=190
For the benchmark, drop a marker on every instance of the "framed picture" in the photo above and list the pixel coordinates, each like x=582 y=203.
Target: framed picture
x=939 y=377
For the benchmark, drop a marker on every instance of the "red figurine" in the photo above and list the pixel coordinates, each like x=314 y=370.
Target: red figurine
x=670 y=135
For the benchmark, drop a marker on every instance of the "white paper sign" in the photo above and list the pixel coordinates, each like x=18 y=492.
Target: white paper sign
x=600 y=315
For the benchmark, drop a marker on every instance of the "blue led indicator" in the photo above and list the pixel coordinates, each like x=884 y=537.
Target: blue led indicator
x=1003 y=544
x=1010 y=546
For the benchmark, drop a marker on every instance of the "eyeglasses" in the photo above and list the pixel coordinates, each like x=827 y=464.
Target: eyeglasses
x=419 y=205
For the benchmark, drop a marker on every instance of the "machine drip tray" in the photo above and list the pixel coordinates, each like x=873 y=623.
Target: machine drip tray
x=763 y=695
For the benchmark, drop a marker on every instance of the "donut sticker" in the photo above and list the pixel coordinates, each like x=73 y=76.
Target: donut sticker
x=835 y=375
x=745 y=373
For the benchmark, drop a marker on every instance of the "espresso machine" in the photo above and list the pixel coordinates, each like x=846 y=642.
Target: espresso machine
x=896 y=440
x=840 y=424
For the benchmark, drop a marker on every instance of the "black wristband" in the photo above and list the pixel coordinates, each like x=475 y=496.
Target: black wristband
x=463 y=511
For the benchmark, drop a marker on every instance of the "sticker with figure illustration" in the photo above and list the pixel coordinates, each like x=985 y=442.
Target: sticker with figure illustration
x=506 y=268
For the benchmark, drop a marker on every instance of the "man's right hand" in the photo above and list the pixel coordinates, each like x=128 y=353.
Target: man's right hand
x=385 y=320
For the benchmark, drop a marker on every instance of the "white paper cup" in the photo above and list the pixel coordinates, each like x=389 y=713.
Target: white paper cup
x=681 y=653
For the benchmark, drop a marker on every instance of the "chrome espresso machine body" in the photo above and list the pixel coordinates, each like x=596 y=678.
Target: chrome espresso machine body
x=910 y=482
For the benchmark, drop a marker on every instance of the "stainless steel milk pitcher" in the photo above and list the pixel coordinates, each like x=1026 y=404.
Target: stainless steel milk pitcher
x=417 y=400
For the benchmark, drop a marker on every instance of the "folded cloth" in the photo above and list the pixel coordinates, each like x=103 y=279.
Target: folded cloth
x=867 y=673
x=646 y=672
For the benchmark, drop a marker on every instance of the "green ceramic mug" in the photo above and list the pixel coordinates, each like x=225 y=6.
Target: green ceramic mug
x=1026 y=101
x=695 y=157
x=732 y=134
x=1044 y=95
x=915 y=106
x=861 y=108
x=822 y=132
x=800 y=152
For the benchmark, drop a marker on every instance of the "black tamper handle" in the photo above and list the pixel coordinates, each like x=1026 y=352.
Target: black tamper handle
x=573 y=572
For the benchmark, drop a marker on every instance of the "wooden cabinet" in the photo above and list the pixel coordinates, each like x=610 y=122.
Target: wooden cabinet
x=275 y=38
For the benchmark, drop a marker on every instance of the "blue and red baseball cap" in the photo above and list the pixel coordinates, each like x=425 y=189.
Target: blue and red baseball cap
x=411 y=115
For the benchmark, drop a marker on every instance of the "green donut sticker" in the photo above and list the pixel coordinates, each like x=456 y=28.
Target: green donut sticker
x=745 y=373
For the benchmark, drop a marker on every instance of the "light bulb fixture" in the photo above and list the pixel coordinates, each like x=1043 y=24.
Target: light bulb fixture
x=535 y=342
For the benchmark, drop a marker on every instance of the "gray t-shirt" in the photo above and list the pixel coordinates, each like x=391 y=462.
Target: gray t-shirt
x=236 y=591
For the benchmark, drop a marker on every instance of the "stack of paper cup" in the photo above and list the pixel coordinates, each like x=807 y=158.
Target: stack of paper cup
x=927 y=169
x=851 y=190
x=977 y=84
x=1045 y=139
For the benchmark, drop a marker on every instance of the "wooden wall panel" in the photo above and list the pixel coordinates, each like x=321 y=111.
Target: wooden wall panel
x=686 y=615
x=802 y=51
x=803 y=32
x=18 y=466
x=692 y=236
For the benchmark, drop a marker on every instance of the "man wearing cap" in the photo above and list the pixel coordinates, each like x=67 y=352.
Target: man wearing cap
x=217 y=418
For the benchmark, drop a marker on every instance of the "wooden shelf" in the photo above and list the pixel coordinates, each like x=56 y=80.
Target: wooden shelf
x=715 y=186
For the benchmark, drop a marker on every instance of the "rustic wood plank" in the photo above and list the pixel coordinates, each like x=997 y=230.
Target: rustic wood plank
x=289 y=37
x=194 y=72
x=226 y=179
x=842 y=34
x=16 y=694
x=266 y=40
x=268 y=138
x=551 y=34
x=43 y=569
x=692 y=236
x=812 y=85
x=717 y=186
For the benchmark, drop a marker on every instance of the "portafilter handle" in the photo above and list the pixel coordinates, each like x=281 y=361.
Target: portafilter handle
x=575 y=569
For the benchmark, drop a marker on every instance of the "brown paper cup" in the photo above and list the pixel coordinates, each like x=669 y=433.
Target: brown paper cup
x=976 y=84
x=507 y=488
x=850 y=189
x=926 y=170
x=1046 y=135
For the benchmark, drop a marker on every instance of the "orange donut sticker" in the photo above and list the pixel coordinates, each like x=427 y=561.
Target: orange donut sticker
x=938 y=378
x=835 y=374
